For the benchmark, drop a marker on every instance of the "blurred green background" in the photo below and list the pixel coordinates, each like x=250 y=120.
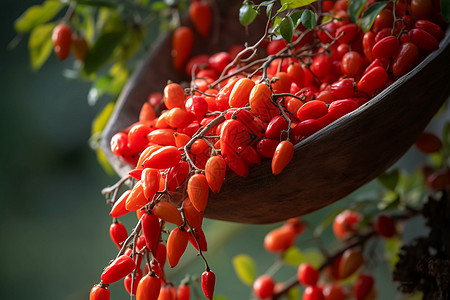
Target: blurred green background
x=54 y=221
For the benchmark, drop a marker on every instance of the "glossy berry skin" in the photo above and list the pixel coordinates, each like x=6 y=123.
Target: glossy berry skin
x=263 y=286
x=423 y=40
x=282 y=156
x=279 y=239
x=118 y=269
x=208 y=282
x=198 y=191
x=62 y=39
x=351 y=260
x=405 y=59
x=182 y=42
x=275 y=127
x=307 y=275
x=374 y=79
x=176 y=245
x=385 y=226
x=200 y=15
x=129 y=279
x=363 y=286
x=168 y=212
x=333 y=292
x=99 y=293
x=164 y=158
x=346 y=223
x=428 y=143
x=215 y=169
x=148 y=288
x=151 y=230
x=313 y=109
x=313 y=293
x=118 y=233
x=385 y=48
x=183 y=292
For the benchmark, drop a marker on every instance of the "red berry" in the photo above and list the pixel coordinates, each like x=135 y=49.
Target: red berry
x=385 y=226
x=62 y=39
x=307 y=275
x=263 y=286
x=208 y=282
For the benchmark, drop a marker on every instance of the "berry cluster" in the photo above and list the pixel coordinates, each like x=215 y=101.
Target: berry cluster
x=243 y=106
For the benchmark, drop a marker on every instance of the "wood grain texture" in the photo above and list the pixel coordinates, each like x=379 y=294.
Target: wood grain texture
x=328 y=165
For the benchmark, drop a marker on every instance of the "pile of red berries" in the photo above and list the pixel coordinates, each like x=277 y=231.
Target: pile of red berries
x=241 y=107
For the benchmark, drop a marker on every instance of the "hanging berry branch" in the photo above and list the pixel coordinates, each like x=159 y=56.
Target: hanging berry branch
x=315 y=62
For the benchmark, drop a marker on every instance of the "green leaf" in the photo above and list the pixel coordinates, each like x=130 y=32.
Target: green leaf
x=309 y=19
x=287 y=29
x=296 y=3
x=293 y=256
x=247 y=13
x=37 y=15
x=276 y=24
x=296 y=17
x=391 y=250
x=245 y=268
x=389 y=179
x=293 y=293
x=390 y=200
x=102 y=118
x=104 y=163
x=282 y=8
x=368 y=16
x=265 y=3
x=159 y=6
x=313 y=256
x=445 y=10
x=40 y=44
x=219 y=297
x=354 y=9
x=102 y=50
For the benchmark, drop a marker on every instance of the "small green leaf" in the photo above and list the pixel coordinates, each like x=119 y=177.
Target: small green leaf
x=296 y=3
x=389 y=179
x=313 y=256
x=37 y=15
x=40 y=44
x=247 y=13
x=354 y=9
x=266 y=3
x=245 y=268
x=293 y=293
x=309 y=19
x=219 y=297
x=159 y=6
x=104 y=163
x=293 y=256
x=390 y=200
x=287 y=29
x=445 y=10
x=102 y=50
x=368 y=16
x=282 y=8
x=296 y=17
x=276 y=24
x=391 y=250
x=102 y=118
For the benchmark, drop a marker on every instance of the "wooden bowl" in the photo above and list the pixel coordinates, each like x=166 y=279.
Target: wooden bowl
x=328 y=165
